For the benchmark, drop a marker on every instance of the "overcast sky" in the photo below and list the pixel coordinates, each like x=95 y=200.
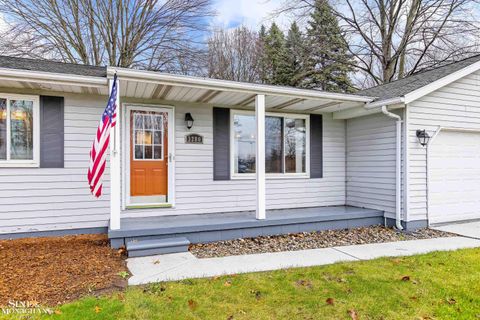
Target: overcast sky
x=251 y=13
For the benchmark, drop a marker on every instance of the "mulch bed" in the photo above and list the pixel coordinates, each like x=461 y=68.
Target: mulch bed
x=309 y=240
x=53 y=271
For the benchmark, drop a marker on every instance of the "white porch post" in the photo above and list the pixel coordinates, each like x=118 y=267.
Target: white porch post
x=260 y=155
x=115 y=203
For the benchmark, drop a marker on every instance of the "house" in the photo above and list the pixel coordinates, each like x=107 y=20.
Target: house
x=195 y=159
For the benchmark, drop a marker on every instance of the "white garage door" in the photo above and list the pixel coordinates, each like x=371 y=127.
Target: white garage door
x=454 y=177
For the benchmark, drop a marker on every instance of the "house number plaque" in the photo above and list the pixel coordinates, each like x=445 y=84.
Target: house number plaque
x=194 y=138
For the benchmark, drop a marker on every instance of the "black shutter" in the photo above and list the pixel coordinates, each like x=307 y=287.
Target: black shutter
x=316 y=146
x=51 y=132
x=221 y=144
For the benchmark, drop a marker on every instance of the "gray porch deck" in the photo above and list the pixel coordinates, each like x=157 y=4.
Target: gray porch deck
x=204 y=228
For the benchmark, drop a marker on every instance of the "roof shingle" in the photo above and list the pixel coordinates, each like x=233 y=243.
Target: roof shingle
x=51 y=66
x=401 y=87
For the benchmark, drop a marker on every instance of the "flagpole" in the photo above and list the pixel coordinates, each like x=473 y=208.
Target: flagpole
x=115 y=200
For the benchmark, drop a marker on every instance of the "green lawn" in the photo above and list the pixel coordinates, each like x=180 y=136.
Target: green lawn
x=442 y=285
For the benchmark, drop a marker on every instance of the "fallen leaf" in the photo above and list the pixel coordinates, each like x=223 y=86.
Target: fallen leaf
x=156 y=262
x=192 y=305
x=406 y=278
x=230 y=317
x=58 y=311
x=330 y=301
x=451 y=301
x=353 y=314
x=97 y=309
x=228 y=283
x=304 y=283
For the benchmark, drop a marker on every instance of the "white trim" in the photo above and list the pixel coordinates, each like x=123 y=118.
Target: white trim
x=52 y=78
x=260 y=155
x=115 y=163
x=427 y=162
x=417 y=94
x=406 y=166
x=285 y=175
x=387 y=102
x=162 y=158
x=35 y=162
x=170 y=110
x=429 y=88
x=230 y=86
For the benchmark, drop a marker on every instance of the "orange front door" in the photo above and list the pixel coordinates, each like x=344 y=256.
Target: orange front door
x=149 y=156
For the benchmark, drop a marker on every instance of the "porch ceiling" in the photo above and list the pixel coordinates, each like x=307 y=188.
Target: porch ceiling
x=145 y=85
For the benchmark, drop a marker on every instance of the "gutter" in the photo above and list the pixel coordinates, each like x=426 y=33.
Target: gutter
x=53 y=78
x=383 y=103
x=398 y=164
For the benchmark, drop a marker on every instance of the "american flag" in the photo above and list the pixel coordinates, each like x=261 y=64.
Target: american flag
x=98 y=154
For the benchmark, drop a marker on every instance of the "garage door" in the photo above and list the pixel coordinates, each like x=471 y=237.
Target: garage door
x=454 y=177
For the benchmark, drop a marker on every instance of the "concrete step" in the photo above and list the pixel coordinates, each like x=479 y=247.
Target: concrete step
x=142 y=248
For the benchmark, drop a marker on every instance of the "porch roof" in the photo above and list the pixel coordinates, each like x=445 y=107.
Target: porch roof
x=143 y=85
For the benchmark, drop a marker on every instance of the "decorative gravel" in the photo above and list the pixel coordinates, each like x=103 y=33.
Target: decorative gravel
x=310 y=240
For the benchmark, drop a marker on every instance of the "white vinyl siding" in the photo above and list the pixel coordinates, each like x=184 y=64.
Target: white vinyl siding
x=371 y=163
x=42 y=199
x=197 y=192
x=456 y=105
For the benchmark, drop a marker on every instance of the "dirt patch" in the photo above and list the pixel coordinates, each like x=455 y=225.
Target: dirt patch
x=309 y=240
x=53 y=271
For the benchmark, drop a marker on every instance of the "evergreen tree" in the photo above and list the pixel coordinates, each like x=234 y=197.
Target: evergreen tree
x=275 y=57
x=264 y=65
x=329 y=62
x=295 y=46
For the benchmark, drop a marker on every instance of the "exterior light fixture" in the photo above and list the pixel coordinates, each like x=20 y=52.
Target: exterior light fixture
x=423 y=137
x=189 y=120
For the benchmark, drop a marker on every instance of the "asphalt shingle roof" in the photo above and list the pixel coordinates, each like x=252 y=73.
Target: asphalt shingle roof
x=52 y=66
x=401 y=87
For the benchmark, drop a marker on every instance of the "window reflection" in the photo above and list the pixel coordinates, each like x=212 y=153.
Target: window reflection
x=285 y=144
x=21 y=129
x=295 y=145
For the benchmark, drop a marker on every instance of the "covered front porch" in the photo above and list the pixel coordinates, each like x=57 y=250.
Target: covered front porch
x=166 y=234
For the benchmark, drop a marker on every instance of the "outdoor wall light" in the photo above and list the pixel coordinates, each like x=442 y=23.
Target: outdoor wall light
x=189 y=120
x=423 y=137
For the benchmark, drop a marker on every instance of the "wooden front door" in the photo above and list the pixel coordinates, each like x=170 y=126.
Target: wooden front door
x=148 y=156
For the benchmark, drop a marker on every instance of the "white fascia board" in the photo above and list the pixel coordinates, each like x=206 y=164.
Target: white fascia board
x=387 y=102
x=361 y=111
x=52 y=78
x=226 y=85
x=417 y=94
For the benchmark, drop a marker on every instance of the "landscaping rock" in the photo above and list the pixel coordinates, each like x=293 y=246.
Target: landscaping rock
x=310 y=240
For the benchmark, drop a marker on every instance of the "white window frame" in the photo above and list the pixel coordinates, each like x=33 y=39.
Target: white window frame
x=153 y=145
x=35 y=162
x=240 y=176
x=126 y=145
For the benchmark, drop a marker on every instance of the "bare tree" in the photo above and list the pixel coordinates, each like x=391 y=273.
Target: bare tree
x=394 y=38
x=234 y=55
x=151 y=34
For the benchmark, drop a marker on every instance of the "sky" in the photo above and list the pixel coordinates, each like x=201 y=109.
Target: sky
x=251 y=13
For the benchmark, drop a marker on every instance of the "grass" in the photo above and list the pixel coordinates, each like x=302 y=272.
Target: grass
x=440 y=285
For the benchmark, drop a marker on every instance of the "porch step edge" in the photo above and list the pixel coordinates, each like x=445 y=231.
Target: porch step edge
x=141 y=248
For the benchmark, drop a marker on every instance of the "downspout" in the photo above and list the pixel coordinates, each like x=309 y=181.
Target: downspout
x=398 y=164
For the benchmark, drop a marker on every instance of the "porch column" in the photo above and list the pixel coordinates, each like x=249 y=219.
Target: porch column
x=260 y=155
x=115 y=203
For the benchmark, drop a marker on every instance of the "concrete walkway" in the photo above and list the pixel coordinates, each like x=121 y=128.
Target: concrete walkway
x=466 y=229
x=177 y=266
